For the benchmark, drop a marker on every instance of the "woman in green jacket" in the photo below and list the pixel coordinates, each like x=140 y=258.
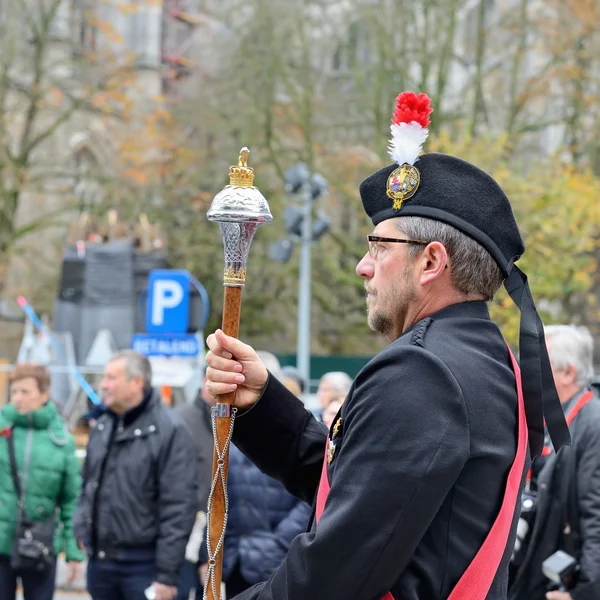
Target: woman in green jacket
x=49 y=475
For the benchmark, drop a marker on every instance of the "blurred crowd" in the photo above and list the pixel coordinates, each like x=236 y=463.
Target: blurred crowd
x=134 y=512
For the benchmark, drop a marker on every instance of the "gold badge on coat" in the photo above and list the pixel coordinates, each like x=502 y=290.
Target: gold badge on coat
x=330 y=451
x=337 y=426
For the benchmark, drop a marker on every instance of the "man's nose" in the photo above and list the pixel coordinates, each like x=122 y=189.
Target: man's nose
x=366 y=267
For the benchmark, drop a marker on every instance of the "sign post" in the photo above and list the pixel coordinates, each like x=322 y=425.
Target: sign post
x=168 y=316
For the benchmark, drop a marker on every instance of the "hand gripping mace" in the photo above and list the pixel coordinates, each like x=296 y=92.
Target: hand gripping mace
x=238 y=209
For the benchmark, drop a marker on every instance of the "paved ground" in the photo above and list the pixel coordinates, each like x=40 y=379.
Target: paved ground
x=66 y=596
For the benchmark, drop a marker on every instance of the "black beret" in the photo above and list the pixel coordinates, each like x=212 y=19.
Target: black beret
x=455 y=192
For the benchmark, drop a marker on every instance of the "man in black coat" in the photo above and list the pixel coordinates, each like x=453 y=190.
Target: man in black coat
x=567 y=510
x=429 y=448
x=139 y=494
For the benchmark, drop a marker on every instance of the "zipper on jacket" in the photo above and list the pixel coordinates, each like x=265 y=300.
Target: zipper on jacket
x=26 y=461
x=95 y=514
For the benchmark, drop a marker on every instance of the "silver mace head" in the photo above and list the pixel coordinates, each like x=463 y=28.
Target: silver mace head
x=239 y=209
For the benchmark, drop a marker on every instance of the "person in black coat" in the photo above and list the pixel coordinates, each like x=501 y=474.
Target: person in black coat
x=429 y=448
x=139 y=494
x=566 y=514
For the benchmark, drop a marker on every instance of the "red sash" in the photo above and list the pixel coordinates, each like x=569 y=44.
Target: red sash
x=578 y=406
x=547 y=450
x=477 y=579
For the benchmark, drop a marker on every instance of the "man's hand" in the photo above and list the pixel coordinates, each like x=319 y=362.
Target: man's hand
x=234 y=367
x=73 y=572
x=558 y=596
x=202 y=571
x=164 y=592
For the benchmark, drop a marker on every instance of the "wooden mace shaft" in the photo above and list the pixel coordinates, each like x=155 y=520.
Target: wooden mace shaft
x=231 y=325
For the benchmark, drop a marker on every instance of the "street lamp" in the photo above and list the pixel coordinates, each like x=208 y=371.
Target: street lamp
x=301 y=228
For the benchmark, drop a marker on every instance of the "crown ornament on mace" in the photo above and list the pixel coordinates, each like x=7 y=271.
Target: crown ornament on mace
x=239 y=208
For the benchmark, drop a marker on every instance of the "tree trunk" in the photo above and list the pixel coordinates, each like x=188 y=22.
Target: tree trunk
x=514 y=106
x=479 y=57
x=443 y=68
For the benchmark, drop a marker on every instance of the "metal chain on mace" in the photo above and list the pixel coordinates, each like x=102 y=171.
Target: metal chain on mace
x=238 y=209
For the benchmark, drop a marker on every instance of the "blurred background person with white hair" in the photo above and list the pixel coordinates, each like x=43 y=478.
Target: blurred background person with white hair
x=331 y=386
x=562 y=497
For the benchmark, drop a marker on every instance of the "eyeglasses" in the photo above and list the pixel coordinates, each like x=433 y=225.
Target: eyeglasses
x=375 y=241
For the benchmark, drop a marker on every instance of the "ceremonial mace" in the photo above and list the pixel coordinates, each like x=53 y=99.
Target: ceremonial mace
x=239 y=209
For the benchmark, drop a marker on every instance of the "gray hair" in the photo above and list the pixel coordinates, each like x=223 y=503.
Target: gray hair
x=574 y=346
x=340 y=381
x=136 y=365
x=474 y=271
x=271 y=363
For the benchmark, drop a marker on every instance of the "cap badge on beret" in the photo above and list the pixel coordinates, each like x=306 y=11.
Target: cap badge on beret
x=402 y=184
x=409 y=132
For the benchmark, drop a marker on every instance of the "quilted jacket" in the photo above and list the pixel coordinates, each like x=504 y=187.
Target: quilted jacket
x=51 y=479
x=263 y=520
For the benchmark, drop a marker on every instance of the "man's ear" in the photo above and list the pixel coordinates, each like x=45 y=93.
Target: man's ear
x=139 y=380
x=433 y=262
x=570 y=374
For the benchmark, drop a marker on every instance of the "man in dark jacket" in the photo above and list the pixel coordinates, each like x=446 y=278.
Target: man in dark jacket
x=416 y=497
x=139 y=496
x=567 y=509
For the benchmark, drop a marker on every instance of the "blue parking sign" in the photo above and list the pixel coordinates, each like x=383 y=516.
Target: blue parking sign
x=168 y=301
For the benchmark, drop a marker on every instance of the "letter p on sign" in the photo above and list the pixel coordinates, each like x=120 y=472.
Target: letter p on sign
x=168 y=301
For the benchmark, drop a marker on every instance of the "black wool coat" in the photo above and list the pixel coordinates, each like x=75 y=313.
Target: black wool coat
x=427 y=437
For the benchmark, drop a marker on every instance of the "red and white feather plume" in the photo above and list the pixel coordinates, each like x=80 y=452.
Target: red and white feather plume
x=409 y=127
